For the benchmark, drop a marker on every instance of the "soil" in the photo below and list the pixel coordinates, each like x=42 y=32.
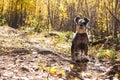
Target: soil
x=20 y=60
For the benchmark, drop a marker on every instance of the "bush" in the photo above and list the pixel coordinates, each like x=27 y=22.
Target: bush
x=106 y=54
x=2 y=21
x=35 y=24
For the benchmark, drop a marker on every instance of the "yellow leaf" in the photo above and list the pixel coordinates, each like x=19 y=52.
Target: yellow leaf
x=53 y=71
x=108 y=51
x=71 y=66
x=117 y=75
x=89 y=75
x=76 y=78
x=44 y=68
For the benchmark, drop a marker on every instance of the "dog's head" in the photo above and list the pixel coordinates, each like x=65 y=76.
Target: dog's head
x=81 y=24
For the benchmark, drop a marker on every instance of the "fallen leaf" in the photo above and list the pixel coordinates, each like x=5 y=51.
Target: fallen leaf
x=71 y=66
x=107 y=52
x=53 y=71
x=117 y=75
x=89 y=75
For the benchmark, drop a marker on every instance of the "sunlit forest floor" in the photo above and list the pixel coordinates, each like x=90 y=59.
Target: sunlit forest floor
x=21 y=58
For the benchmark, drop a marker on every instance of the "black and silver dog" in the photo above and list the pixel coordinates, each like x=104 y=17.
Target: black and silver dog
x=80 y=41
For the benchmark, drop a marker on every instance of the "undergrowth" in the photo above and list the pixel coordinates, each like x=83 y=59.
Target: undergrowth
x=101 y=53
x=61 y=41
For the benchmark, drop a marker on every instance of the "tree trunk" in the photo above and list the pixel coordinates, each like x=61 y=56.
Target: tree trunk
x=115 y=21
x=49 y=14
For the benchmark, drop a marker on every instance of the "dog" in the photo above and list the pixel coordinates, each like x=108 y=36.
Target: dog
x=80 y=41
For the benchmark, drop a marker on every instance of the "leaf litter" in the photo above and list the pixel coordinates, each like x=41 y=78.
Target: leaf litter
x=19 y=60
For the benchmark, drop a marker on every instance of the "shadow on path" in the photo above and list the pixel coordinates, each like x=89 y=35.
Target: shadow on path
x=76 y=71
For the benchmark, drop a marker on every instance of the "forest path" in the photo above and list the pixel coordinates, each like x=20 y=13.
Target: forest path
x=19 y=60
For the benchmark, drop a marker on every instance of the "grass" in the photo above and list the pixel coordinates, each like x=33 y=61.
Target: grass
x=61 y=42
x=101 y=53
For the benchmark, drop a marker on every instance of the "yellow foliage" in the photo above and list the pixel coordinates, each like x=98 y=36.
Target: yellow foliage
x=70 y=1
x=53 y=71
x=71 y=66
x=89 y=75
x=107 y=52
x=76 y=78
x=117 y=75
x=63 y=10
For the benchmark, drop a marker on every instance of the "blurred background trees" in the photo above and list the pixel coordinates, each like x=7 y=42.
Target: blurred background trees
x=59 y=15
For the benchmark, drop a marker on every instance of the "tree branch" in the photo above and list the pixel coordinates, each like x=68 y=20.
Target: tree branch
x=113 y=15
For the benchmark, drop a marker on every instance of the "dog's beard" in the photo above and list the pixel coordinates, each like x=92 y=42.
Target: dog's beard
x=80 y=29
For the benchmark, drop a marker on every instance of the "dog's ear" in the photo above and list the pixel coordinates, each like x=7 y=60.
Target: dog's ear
x=86 y=20
x=76 y=20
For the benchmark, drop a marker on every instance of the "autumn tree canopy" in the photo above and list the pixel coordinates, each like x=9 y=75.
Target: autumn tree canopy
x=59 y=14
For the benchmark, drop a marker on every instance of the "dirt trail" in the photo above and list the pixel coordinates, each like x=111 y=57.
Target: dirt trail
x=20 y=61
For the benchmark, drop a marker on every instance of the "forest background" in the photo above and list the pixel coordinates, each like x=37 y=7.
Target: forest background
x=34 y=34
x=48 y=15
